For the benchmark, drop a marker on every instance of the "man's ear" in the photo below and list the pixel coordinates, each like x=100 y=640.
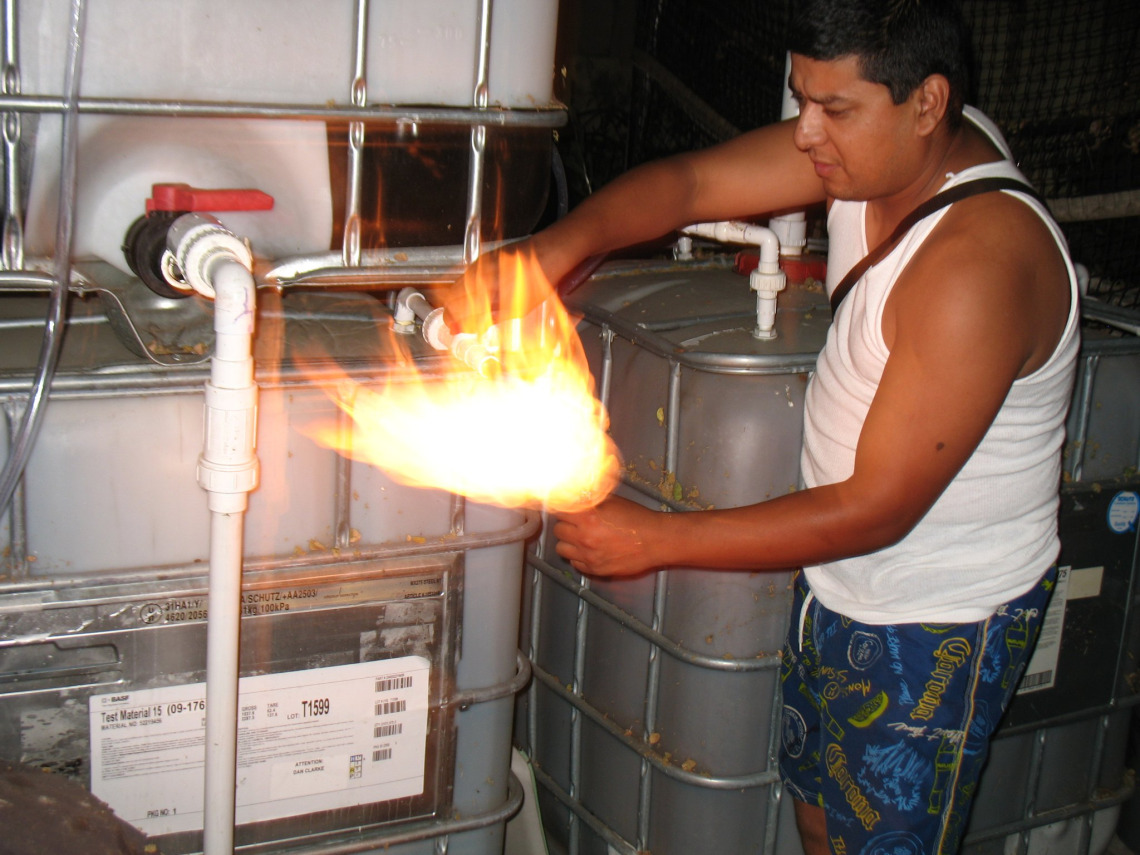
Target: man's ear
x=932 y=100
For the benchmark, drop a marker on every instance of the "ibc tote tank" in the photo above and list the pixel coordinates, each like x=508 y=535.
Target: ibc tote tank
x=653 y=718
x=347 y=572
x=654 y=707
x=397 y=605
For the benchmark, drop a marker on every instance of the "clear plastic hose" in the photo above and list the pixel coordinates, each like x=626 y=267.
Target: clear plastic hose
x=25 y=435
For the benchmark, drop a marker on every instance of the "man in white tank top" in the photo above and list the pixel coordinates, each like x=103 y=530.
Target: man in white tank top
x=933 y=429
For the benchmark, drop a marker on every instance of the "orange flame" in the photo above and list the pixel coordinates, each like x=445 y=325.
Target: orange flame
x=532 y=434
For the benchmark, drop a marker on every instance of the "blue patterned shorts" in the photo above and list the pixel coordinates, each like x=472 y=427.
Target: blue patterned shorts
x=887 y=727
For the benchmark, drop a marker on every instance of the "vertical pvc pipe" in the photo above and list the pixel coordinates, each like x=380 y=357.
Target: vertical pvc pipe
x=351 y=245
x=227 y=469
x=17 y=508
x=1096 y=761
x=574 y=827
x=1032 y=788
x=222 y=651
x=218 y=265
x=578 y=679
x=537 y=592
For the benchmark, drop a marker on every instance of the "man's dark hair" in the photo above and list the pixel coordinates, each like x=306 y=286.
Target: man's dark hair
x=899 y=43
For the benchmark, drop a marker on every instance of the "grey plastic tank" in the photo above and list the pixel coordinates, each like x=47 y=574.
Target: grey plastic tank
x=654 y=703
x=651 y=719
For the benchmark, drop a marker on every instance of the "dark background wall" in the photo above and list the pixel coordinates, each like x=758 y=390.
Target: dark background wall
x=645 y=78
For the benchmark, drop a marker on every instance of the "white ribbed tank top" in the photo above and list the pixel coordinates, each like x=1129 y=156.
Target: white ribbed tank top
x=993 y=531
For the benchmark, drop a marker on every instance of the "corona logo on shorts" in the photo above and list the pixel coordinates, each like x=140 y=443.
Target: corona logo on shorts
x=947 y=659
x=837 y=768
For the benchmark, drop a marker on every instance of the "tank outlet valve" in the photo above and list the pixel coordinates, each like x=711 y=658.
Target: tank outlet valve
x=145 y=243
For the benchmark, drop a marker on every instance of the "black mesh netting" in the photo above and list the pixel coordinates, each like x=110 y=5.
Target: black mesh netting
x=1062 y=80
x=1060 y=77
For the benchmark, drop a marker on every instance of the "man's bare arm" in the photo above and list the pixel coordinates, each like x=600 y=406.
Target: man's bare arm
x=757 y=172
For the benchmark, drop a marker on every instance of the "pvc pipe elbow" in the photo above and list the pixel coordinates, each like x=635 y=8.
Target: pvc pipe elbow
x=410 y=305
x=1083 y=278
x=234 y=295
x=732 y=231
x=404 y=318
x=769 y=245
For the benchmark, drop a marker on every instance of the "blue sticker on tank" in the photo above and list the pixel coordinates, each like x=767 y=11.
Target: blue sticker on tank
x=1123 y=511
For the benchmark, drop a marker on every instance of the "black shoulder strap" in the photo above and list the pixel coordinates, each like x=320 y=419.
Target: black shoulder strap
x=941 y=200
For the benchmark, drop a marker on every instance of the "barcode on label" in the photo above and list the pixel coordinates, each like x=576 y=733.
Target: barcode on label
x=388 y=684
x=393 y=728
x=381 y=754
x=389 y=707
x=1030 y=681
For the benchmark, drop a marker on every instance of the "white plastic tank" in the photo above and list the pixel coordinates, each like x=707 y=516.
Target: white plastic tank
x=275 y=53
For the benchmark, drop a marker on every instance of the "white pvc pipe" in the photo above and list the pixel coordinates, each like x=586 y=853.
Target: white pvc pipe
x=733 y=231
x=767 y=280
x=410 y=304
x=215 y=263
x=227 y=469
x=792 y=231
x=466 y=347
x=223 y=633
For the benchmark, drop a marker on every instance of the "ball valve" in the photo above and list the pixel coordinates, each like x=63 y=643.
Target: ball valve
x=145 y=241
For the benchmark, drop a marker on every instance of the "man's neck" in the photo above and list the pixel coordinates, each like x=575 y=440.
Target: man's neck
x=959 y=149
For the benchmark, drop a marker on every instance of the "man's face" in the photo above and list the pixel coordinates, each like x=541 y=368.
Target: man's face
x=863 y=145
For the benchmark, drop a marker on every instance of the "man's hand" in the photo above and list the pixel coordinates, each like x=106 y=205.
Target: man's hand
x=617 y=538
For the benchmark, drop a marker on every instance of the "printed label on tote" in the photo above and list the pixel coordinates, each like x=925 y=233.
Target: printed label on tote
x=1041 y=673
x=321 y=739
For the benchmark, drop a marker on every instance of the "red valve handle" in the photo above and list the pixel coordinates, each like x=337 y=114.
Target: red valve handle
x=183 y=197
